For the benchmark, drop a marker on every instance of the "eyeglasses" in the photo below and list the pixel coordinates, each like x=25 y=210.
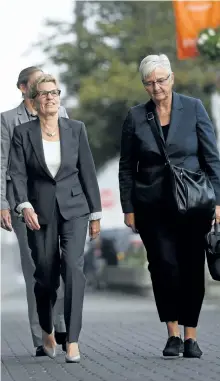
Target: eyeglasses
x=161 y=81
x=44 y=93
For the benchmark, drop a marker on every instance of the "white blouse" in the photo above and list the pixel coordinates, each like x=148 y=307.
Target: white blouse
x=52 y=155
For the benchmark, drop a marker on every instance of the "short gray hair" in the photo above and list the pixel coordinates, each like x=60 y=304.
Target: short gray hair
x=152 y=62
x=44 y=78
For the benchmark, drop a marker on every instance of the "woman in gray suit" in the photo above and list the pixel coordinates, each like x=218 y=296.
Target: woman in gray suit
x=9 y=219
x=175 y=245
x=56 y=191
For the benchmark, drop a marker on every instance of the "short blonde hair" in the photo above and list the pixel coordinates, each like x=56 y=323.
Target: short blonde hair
x=152 y=62
x=44 y=78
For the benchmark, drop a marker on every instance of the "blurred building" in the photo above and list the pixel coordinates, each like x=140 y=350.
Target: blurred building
x=109 y=189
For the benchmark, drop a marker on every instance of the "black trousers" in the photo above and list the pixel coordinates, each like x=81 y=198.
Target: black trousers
x=58 y=248
x=176 y=255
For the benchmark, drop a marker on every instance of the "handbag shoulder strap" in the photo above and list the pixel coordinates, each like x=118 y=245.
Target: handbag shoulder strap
x=155 y=130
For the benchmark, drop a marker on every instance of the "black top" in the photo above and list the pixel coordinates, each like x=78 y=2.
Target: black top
x=165 y=130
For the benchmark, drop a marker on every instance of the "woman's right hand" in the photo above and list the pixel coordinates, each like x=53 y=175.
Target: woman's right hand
x=31 y=219
x=6 y=219
x=129 y=220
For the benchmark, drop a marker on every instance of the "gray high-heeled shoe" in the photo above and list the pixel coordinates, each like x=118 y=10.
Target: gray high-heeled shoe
x=72 y=359
x=50 y=352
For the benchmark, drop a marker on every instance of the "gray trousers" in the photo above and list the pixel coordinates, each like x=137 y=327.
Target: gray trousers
x=67 y=236
x=28 y=269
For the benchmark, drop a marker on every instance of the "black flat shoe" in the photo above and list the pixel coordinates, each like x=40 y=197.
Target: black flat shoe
x=40 y=351
x=174 y=347
x=60 y=338
x=191 y=349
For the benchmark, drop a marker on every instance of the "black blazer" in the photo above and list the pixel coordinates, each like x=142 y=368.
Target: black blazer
x=191 y=144
x=74 y=187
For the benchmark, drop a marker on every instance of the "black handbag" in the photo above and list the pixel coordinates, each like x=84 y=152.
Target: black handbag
x=193 y=194
x=213 y=252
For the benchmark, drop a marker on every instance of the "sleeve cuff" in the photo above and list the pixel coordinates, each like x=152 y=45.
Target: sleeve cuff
x=128 y=209
x=95 y=216
x=5 y=205
x=23 y=205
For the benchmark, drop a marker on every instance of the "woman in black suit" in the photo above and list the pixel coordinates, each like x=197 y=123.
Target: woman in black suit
x=174 y=245
x=56 y=191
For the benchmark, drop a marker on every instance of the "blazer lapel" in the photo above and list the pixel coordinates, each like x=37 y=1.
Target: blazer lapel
x=176 y=115
x=65 y=143
x=36 y=141
x=22 y=114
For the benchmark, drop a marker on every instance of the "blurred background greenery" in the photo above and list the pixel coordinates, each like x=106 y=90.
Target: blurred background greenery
x=99 y=61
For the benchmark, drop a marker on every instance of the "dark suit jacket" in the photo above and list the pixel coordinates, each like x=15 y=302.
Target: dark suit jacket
x=9 y=119
x=75 y=185
x=190 y=142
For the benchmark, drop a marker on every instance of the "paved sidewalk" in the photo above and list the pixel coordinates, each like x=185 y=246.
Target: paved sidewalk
x=122 y=339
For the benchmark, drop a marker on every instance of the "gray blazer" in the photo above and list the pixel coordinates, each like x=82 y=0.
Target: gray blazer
x=9 y=119
x=74 y=188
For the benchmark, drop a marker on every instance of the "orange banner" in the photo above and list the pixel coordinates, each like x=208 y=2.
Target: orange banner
x=191 y=18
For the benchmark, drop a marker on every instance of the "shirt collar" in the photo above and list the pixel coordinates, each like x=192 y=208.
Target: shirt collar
x=30 y=115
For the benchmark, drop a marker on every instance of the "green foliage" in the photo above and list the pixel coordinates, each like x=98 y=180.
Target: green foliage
x=99 y=61
x=209 y=43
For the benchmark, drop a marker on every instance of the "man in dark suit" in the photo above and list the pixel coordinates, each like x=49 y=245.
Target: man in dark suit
x=9 y=219
x=175 y=245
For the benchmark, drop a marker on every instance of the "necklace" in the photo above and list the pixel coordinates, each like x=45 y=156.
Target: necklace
x=50 y=134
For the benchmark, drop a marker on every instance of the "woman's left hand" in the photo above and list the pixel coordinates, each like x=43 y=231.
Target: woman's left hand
x=217 y=214
x=94 y=229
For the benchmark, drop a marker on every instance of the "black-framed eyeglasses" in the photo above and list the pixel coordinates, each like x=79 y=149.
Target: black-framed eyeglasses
x=161 y=81
x=44 y=93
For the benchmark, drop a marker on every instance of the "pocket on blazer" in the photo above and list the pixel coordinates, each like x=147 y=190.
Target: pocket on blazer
x=76 y=190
